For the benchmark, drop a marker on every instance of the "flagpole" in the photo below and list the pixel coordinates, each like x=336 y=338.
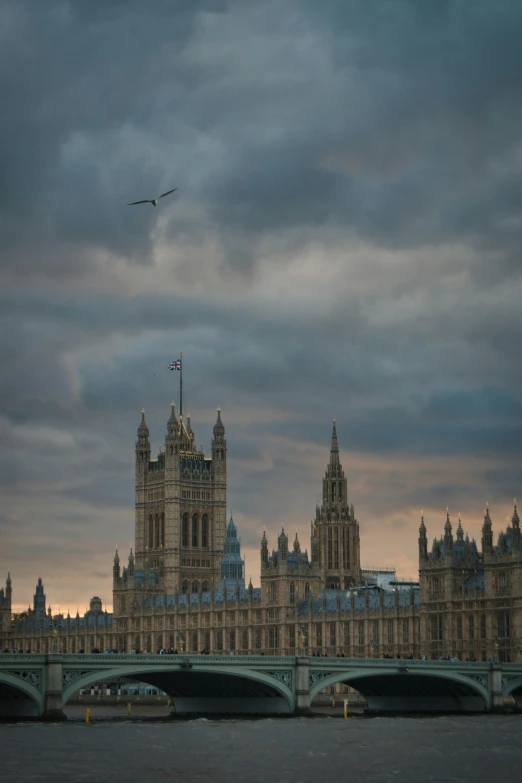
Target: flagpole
x=181 y=383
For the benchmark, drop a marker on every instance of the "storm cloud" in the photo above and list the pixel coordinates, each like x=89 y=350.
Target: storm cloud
x=344 y=241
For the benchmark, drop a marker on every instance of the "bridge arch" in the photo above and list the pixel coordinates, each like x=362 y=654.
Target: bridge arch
x=183 y=676
x=387 y=689
x=19 y=697
x=513 y=687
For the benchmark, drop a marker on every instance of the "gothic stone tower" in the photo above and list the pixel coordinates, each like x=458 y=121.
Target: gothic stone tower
x=335 y=531
x=5 y=605
x=180 y=507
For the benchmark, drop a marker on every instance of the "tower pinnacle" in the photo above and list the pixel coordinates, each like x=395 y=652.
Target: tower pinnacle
x=334 y=448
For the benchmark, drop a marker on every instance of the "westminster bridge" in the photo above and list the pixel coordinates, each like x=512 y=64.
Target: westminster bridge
x=33 y=685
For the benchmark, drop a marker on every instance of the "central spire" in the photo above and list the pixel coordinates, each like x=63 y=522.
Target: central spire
x=334 y=448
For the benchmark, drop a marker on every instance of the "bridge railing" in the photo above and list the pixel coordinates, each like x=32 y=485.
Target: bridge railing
x=34 y=658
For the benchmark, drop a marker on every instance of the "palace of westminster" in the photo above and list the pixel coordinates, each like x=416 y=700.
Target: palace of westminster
x=183 y=586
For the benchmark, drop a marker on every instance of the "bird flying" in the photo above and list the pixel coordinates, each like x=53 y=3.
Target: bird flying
x=153 y=201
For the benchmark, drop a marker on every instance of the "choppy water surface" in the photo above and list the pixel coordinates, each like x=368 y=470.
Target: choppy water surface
x=296 y=750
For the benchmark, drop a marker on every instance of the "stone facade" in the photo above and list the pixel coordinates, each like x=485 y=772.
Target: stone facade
x=183 y=584
x=472 y=600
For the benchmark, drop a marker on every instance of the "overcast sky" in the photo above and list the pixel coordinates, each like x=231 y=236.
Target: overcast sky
x=344 y=241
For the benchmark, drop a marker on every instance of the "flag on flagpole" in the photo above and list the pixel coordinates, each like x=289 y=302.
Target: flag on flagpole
x=176 y=365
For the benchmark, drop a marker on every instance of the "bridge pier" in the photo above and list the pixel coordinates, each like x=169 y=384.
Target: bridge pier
x=496 y=694
x=302 y=687
x=53 y=688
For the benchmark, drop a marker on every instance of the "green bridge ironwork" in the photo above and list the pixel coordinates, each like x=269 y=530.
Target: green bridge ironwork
x=35 y=685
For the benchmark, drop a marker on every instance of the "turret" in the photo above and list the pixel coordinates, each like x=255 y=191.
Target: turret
x=460 y=532
x=116 y=567
x=297 y=545
x=142 y=446
x=218 y=441
x=8 y=590
x=264 y=551
x=231 y=566
x=39 y=599
x=219 y=481
x=172 y=463
x=172 y=436
x=423 y=541
x=515 y=524
x=448 y=538
x=282 y=543
x=487 y=533
x=219 y=447
x=131 y=563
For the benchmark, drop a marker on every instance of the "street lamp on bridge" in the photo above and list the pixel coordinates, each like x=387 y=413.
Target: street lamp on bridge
x=302 y=639
x=181 y=637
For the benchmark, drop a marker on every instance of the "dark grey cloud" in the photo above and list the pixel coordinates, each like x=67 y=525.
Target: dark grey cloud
x=345 y=241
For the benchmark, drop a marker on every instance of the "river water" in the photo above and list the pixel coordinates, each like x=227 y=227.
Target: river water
x=460 y=749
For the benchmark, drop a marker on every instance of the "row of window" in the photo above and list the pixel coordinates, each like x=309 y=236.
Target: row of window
x=156 y=532
x=336 y=491
x=194 y=641
x=272 y=592
x=501 y=585
x=195 y=562
x=195 y=532
x=333 y=547
x=476 y=627
x=401 y=634
x=194 y=494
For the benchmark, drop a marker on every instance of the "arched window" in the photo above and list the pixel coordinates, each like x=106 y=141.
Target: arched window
x=185 y=587
x=332 y=585
x=204 y=531
x=195 y=530
x=151 y=532
x=204 y=587
x=195 y=586
x=272 y=592
x=162 y=541
x=157 y=531
x=307 y=590
x=292 y=593
x=185 y=530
